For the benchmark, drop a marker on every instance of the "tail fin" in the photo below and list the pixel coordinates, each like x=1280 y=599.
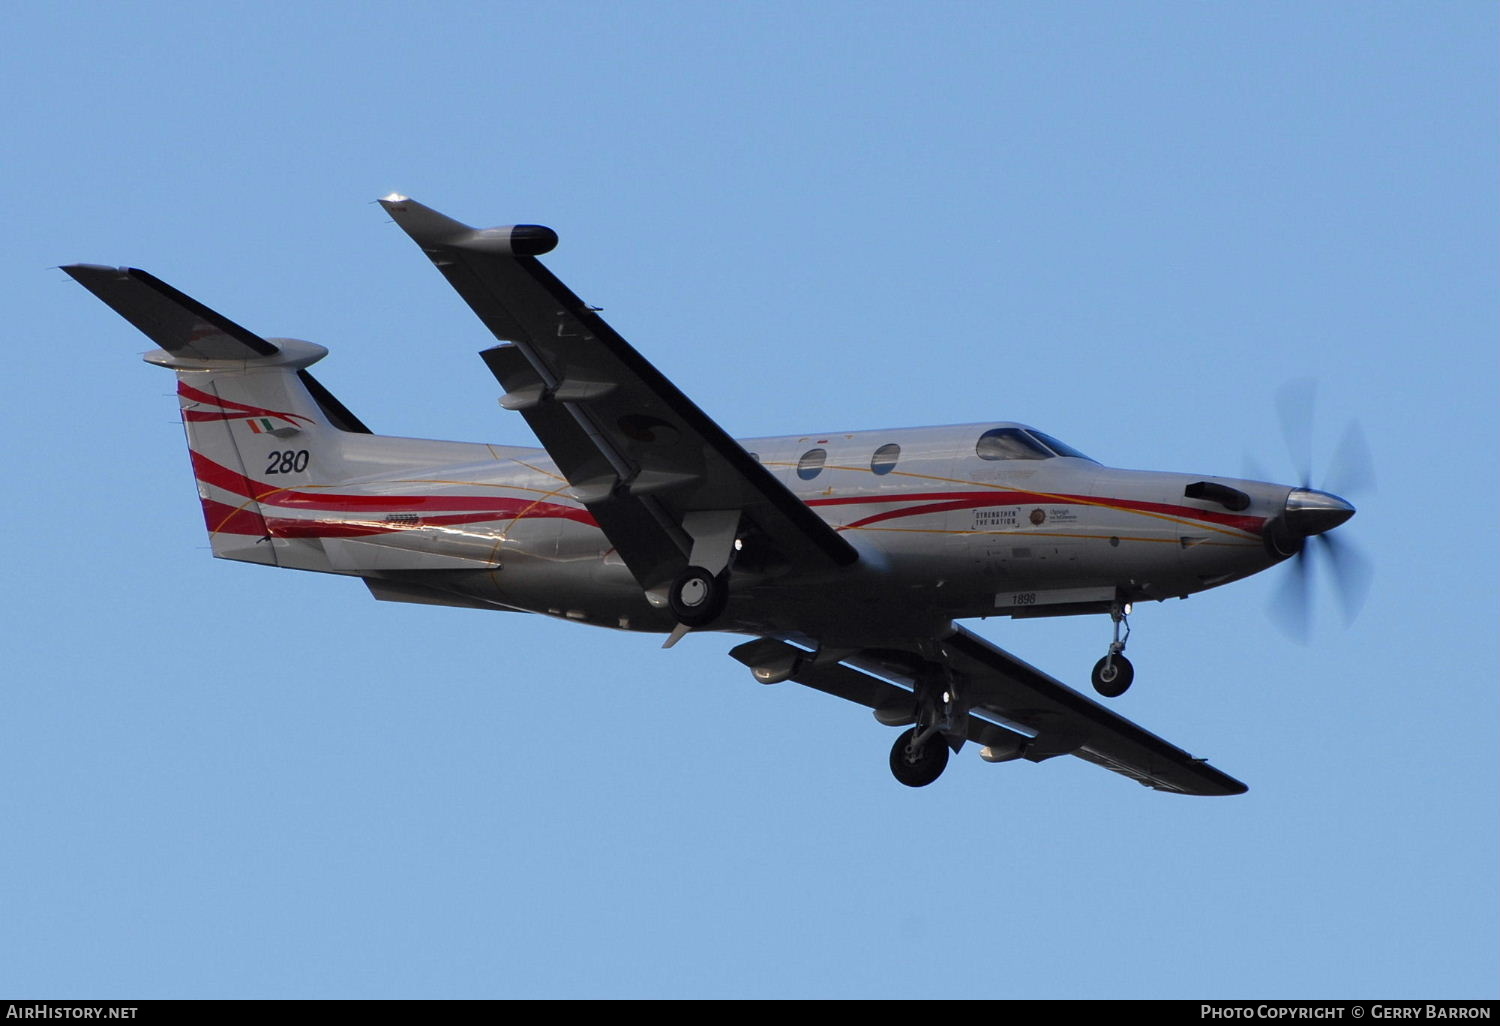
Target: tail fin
x=259 y=426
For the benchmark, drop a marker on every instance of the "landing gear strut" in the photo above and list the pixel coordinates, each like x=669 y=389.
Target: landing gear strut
x=920 y=753
x=699 y=594
x=1112 y=674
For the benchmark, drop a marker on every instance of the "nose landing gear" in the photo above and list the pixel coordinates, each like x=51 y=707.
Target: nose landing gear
x=1113 y=674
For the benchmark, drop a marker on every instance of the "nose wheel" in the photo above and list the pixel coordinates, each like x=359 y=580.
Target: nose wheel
x=1113 y=674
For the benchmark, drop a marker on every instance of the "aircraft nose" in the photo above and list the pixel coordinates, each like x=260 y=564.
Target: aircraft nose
x=1310 y=512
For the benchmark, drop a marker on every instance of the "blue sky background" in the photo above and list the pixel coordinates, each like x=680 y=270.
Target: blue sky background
x=1127 y=224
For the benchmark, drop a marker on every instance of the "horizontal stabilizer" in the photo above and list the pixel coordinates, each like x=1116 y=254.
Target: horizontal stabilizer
x=177 y=323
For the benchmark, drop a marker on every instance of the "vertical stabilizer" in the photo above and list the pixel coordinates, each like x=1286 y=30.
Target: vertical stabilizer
x=260 y=429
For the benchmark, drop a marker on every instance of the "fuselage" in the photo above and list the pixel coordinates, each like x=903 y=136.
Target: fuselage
x=951 y=522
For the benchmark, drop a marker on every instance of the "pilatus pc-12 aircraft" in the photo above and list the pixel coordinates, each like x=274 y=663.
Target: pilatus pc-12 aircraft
x=845 y=557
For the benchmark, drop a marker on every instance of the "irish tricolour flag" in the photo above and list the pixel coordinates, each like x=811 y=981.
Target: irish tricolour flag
x=261 y=425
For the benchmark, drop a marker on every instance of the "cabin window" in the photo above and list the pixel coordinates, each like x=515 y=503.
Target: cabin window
x=811 y=463
x=884 y=460
x=1009 y=444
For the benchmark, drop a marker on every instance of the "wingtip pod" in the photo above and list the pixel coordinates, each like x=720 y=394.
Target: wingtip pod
x=432 y=230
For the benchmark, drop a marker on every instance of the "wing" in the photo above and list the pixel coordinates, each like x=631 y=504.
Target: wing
x=664 y=481
x=1016 y=710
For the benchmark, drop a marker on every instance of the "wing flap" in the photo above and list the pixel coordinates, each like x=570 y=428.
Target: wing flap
x=644 y=536
x=893 y=703
x=830 y=678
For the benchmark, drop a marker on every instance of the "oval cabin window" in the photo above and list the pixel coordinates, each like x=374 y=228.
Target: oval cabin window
x=811 y=463
x=884 y=460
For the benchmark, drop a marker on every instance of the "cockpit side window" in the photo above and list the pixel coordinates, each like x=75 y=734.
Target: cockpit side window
x=1061 y=448
x=1009 y=444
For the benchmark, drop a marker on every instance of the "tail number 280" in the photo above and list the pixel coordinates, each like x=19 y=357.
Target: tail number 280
x=292 y=461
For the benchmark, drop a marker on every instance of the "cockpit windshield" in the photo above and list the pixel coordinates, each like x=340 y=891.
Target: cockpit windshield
x=1010 y=443
x=1061 y=448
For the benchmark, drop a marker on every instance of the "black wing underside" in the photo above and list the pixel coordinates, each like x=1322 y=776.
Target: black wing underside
x=1016 y=710
x=637 y=452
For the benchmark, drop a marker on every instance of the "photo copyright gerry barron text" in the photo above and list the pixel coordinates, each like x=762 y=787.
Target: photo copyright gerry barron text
x=1359 y=1010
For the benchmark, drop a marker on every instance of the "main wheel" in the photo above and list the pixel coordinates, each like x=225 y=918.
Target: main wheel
x=922 y=767
x=1112 y=677
x=697 y=597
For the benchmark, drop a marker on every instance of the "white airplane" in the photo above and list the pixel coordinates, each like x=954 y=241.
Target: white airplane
x=845 y=556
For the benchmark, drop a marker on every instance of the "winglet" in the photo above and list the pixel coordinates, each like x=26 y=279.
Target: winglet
x=434 y=231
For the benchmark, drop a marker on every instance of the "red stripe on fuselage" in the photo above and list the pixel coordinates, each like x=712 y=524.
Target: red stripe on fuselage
x=502 y=508
x=224 y=519
x=944 y=502
x=495 y=507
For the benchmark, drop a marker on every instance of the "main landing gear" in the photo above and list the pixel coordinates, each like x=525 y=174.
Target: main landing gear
x=1113 y=674
x=921 y=753
x=917 y=764
x=697 y=597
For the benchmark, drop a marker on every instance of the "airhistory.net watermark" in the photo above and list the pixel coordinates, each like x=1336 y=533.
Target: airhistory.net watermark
x=40 y=1010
